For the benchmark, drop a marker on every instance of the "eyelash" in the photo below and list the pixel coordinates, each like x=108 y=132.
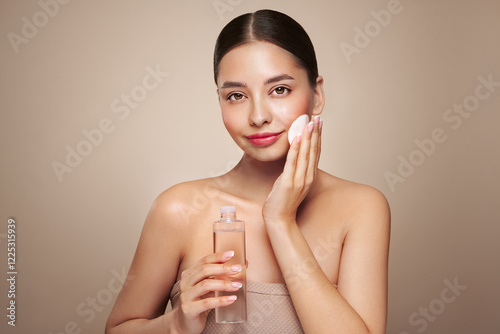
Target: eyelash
x=286 y=92
x=232 y=96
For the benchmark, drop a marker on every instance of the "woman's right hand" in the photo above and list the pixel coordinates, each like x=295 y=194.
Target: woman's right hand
x=197 y=288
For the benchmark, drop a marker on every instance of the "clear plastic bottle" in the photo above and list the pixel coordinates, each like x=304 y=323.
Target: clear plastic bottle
x=229 y=234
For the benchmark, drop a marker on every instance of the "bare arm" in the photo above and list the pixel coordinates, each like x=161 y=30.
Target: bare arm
x=140 y=306
x=141 y=303
x=359 y=304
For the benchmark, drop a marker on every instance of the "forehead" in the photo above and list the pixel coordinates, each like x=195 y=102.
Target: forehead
x=258 y=60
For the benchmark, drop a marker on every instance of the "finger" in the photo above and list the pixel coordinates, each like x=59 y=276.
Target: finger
x=197 y=285
x=320 y=132
x=207 y=287
x=219 y=257
x=207 y=270
x=303 y=158
x=206 y=304
x=291 y=160
x=318 y=151
x=314 y=151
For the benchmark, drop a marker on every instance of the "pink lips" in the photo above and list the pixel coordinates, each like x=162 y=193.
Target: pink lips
x=264 y=139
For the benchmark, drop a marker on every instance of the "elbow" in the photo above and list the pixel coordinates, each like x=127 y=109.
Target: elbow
x=377 y=329
x=109 y=329
x=111 y=326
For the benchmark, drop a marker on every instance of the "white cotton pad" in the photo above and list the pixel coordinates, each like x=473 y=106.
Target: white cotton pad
x=297 y=127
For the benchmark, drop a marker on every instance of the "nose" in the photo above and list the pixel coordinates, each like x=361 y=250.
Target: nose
x=259 y=113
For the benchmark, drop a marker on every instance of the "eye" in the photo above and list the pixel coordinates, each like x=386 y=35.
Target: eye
x=281 y=90
x=235 y=97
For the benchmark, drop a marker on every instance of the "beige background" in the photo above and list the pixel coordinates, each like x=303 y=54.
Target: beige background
x=76 y=236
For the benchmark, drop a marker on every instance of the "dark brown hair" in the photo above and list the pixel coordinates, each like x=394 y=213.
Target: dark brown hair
x=269 y=26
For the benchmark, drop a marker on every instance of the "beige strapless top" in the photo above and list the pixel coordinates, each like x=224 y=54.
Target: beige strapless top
x=269 y=310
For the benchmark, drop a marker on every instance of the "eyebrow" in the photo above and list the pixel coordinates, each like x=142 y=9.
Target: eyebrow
x=233 y=84
x=278 y=78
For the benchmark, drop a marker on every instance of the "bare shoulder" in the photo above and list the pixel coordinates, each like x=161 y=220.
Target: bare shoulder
x=171 y=220
x=358 y=202
x=362 y=214
x=349 y=190
x=181 y=202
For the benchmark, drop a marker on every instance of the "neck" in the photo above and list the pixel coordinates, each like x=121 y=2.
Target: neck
x=257 y=177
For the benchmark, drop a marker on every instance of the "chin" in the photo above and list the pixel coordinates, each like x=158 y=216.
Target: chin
x=267 y=154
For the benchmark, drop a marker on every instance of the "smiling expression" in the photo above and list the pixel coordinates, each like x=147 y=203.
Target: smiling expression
x=262 y=90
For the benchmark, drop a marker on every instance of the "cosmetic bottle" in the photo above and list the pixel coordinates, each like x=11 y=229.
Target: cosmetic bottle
x=229 y=235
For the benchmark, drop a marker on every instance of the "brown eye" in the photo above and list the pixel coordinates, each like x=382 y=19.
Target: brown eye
x=281 y=90
x=235 y=96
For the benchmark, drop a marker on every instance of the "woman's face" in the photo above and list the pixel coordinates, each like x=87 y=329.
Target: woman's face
x=262 y=90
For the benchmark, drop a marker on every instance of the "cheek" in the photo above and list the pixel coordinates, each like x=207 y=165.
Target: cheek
x=290 y=110
x=230 y=121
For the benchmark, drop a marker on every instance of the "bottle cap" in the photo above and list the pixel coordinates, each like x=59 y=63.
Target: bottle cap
x=227 y=209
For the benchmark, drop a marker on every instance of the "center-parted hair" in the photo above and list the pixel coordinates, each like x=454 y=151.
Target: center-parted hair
x=268 y=26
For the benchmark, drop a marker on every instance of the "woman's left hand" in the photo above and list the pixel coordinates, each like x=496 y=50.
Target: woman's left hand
x=292 y=186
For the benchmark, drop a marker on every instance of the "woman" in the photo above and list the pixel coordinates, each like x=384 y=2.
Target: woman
x=324 y=238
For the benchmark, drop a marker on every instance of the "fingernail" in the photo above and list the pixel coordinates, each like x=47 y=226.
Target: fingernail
x=320 y=124
x=310 y=126
x=298 y=138
x=231 y=298
x=229 y=254
x=237 y=284
x=236 y=268
x=316 y=120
